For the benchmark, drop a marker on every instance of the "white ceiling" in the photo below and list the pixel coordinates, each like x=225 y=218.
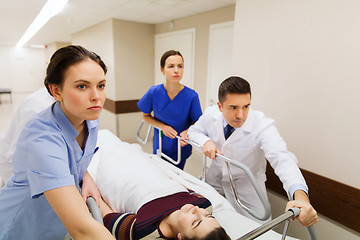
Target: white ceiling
x=17 y=15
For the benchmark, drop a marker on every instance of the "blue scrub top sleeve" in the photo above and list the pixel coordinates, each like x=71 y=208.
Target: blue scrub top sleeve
x=195 y=109
x=47 y=162
x=145 y=104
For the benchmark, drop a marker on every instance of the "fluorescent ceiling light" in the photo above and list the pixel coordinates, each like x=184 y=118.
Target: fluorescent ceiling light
x=37 y=46
x=50 y=9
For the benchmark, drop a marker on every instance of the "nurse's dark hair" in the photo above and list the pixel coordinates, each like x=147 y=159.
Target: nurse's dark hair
x=217 y=234
x=233 y=85
x=64 y=58
x=168 y=54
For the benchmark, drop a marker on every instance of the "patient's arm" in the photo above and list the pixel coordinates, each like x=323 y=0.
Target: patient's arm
x=74 y=214
x=120 y=222
x=104 y=208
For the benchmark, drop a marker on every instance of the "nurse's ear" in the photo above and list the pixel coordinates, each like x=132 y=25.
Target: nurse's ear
x=162 y=70
x=56 y=91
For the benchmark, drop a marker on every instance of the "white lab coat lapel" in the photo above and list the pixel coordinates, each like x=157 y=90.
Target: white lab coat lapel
x=217 y=135
x=241 y=147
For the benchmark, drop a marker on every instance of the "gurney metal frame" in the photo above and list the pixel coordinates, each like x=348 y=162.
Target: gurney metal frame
x=287 y=216
x=227 y=161
x=159 y=151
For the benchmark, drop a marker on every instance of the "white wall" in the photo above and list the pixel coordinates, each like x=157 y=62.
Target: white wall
x=100 y=39
x=302 y=61
x=22 y=69
x=301 y=58
x=127 y=49
x=134 y=54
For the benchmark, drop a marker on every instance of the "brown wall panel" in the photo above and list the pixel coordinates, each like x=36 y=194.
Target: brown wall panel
x=124 y=106
x=332 y=199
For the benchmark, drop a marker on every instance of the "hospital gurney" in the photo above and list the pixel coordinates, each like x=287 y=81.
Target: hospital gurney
x=292 y=213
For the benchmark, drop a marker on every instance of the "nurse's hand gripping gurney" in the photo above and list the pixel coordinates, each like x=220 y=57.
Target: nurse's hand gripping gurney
x=258 y=231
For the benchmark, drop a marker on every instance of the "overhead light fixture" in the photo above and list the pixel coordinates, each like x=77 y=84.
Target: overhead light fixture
x=37 y=46
x=50 y=9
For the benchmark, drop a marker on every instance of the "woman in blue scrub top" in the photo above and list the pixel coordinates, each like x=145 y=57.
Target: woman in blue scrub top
x=42 y=199
x=175 y=107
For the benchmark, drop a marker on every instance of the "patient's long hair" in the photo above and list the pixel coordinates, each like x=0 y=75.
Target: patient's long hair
x=217 y=234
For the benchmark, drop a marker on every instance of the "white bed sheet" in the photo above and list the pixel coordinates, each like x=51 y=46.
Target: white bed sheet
x=235 y=224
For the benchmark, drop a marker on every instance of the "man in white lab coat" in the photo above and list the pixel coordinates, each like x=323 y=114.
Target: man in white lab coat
x=233 y=129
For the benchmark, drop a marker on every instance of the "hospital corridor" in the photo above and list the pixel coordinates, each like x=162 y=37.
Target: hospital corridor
x=157 y=70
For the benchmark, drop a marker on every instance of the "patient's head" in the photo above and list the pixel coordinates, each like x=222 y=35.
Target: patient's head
x=196 y=223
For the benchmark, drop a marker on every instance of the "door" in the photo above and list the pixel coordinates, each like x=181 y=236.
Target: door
x=182 y=41
x=220 y=58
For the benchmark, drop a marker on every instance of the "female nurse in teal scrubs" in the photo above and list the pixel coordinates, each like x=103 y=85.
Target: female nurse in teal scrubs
x=175 y=107
x=42 y=199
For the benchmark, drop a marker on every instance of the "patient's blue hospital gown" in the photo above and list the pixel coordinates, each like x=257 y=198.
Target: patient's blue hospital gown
x=178 y=113
x=47 y=156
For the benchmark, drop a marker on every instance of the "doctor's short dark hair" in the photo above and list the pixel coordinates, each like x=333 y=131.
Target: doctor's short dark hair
x=233 y=85
x=64 y=58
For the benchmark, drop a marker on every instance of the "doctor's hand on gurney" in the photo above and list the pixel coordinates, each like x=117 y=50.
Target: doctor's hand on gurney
x=308 y=215
x=210 y=149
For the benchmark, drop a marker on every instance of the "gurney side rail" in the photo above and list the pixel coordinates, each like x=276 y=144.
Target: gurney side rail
x=291 y=213
x=227 y=161
x=287 y=216
x=294 y=212
x=159 y=151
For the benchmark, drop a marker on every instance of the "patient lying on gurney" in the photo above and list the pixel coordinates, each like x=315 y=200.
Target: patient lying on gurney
x=181 y=215
x=149 y=204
